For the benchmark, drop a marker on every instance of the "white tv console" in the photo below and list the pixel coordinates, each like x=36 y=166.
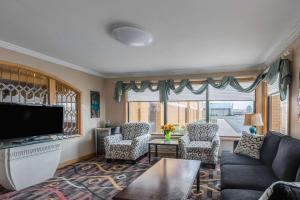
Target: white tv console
x=27 y=164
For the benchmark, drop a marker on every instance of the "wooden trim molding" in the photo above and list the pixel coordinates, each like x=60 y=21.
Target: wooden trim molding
x=34 y=70
x=52 y=90
x=261 y=102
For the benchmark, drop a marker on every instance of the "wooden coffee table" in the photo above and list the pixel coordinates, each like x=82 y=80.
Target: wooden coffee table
x=167 y=179
x=156 y=142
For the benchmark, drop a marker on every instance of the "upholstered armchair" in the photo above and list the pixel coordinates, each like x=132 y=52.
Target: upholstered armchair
x=201 y=143
x=130 y=145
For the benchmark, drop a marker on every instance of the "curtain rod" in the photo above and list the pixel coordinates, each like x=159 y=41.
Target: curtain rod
x=241 y=78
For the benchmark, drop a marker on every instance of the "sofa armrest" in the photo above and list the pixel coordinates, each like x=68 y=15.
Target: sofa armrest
x=112 y=139
x=139 y=146
x=108 y=140
x=183 y=142
x=141 y=141
x=216 y=142
x=287 y=191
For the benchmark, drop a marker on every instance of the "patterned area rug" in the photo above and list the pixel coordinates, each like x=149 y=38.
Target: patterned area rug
x=96 y=179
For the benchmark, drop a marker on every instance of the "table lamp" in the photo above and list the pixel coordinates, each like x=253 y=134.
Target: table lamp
x=253 y=120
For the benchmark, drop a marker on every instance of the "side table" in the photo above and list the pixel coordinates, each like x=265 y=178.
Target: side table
x=157 y=142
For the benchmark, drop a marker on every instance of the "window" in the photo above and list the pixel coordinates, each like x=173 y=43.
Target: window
x=146 y=107
x=69 y=99
x=278 y=110
x=229 y=115
x=226 y=107
x=20 y=85
x=185 y=108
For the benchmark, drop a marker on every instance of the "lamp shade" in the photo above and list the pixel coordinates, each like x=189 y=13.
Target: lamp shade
x=253 y=120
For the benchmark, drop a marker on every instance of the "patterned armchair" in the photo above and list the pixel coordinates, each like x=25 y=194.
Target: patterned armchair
x=130 y=145
x=202 y=143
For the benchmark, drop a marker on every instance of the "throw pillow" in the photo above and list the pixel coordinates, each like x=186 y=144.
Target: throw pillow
x=249 y=145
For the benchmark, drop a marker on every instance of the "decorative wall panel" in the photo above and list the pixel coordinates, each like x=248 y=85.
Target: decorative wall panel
x=21 y=85
x=68 y=98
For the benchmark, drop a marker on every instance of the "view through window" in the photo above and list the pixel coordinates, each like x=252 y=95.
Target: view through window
x=226 y=107
x=278 y=110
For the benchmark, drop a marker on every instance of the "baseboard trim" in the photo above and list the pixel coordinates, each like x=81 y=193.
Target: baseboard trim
x=69 y=162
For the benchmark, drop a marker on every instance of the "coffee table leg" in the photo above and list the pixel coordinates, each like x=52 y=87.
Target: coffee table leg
x=156 y=150
x=149 y=153
x=198 y=180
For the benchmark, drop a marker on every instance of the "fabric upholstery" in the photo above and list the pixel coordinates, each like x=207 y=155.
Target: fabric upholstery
x=287 y=160
x=282 y=190
x=120 y=147
x=202 y=143
x=202 y=132
x=269 y=148
x=249 y=145
x=236 y=159
x=298 y=175
x=280 y=67
x=252 y=177
x=240 y=194
x=286 y=191
x=135 y=129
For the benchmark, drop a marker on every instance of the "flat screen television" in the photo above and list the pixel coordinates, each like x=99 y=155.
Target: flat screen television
x=23 y=121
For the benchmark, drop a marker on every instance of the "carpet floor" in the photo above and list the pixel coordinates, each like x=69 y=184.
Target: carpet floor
x=96 y=179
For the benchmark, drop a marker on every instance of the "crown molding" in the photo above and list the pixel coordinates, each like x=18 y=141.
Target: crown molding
x=190 y=71
x=278 y=48
x=35 y=54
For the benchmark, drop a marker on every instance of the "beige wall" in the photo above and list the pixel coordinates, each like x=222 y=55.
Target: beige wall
x=294 y=108
x=79 y=146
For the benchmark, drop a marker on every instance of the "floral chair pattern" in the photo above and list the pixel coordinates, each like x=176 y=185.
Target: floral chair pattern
x=131 y=144
x=201 y=143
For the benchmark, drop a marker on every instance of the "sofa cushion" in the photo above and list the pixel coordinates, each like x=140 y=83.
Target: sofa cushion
x=198 y=146
x=249 y=145
x=287 y=159
x=240 y=194
x=252 y=177
x=123 y=145
x=236 y=159
x=269 y=148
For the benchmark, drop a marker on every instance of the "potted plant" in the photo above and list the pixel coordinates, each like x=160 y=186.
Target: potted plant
x=167 y=129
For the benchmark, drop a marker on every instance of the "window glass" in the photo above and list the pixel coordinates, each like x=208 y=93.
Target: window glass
x=229 y=115
x=180 y=113
x=278 y=114
x=151 y=112
x=226 y=107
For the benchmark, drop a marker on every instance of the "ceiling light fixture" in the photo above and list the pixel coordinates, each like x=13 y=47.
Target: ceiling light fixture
x=132 y=36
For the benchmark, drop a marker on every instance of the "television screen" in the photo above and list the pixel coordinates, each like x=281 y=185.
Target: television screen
x=21 y=121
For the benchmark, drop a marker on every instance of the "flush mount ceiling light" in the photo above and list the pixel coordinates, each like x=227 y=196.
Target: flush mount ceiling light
x=132 y=36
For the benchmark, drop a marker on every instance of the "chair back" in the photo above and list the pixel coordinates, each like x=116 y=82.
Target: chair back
x=132 y=130
x=202 y=132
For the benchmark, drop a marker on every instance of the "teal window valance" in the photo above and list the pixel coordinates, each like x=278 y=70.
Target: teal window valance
x=280 y=68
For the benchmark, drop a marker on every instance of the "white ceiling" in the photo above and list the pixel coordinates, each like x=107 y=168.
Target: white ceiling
x=191 y=36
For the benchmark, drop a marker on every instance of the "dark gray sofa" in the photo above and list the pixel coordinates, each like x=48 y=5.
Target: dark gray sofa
x=244 y=178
